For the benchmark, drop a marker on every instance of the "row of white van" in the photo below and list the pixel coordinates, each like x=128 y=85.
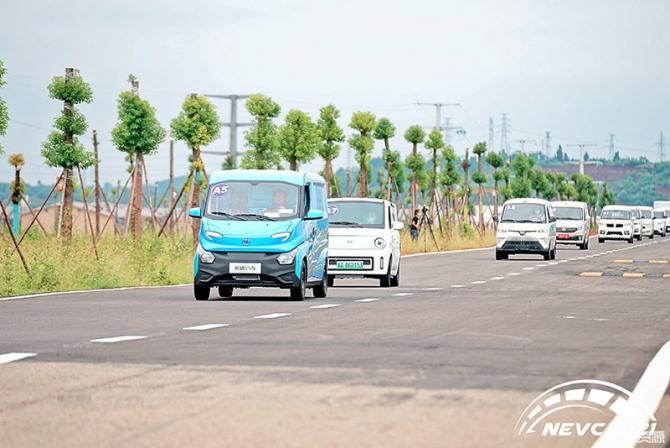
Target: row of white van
x=536 y=226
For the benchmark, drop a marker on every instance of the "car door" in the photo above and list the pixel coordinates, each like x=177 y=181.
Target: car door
x=395 y=237
x=317 y=232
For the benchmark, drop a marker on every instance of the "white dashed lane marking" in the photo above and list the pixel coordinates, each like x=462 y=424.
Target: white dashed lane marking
x=458 y=286
x=478 y=282
x=204 y=327
x=366 y=300
x=272 y=315
x=511 y=274
x=401 y=294
x=497 y=278
x=6 y=358
x=324 y=306
x=528 y=268
x=118 y=339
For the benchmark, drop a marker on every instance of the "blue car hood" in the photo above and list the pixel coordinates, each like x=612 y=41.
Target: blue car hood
x=249 y=236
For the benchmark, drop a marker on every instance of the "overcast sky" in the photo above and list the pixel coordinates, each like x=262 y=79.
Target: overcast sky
x=580 y=69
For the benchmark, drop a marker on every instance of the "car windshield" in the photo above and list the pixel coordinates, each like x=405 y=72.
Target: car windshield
x=356 y=214
x=635 y=213
x=646 y=214
x=253 y=201
x=615 y=214
x=569 y=213
x=658 y=214
x=524 y=213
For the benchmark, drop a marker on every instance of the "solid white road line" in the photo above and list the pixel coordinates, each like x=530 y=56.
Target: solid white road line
x=118 y=339
x=80 y=291
x=324 y=306
x=447 y=252
x=649 y=391
x=272 y=315
x=366 y=300
x=204 y=327
x=6 y=358
x=401 y=294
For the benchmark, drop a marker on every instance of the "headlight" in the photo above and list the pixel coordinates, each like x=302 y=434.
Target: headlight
x=204 y=256
x=283 y=235
x=213 y=234
x=380 y=243
x=287 y=257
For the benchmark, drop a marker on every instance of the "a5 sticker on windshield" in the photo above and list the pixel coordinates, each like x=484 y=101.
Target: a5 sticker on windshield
x=220 y=190
x=332 y=210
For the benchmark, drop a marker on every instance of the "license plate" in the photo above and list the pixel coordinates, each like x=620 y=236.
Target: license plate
x=563 y=236
x=245 y=268
x=349 y=265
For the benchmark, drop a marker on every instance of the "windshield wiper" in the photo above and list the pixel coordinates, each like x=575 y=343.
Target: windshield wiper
x=228 y=215
x=531 y=221
x=257 y=216
x=346 y=223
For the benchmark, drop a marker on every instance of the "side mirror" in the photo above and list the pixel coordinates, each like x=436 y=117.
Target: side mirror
x=552 y=219
x=314 y=214
x=398 y=225
x=195 y=213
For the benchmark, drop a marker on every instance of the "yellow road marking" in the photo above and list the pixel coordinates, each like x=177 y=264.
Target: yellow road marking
x=623 y=261
x=633 y=274
x=658 y=261
x=591 y=274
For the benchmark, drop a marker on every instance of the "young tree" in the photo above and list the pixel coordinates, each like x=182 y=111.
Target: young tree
x=137 y=133
x=415 y=161
x=395 y=174
x=480 y=179
x=261 y=139
x=298 y=138
x=364 y=123
x=449 y=178
x=496 y=162
x=606 y=197
x=62 y=148
x=331 y=135
x=385 y=130
x=17 y=188
x=434 y=143
x=197 y=125
x=4 y=114
x=465 y=206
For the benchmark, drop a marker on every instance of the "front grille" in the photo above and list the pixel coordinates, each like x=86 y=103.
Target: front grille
x=614 y=225
x=522 y=245
x=567 y=229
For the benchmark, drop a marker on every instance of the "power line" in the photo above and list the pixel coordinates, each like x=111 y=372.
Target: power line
x=232 y=124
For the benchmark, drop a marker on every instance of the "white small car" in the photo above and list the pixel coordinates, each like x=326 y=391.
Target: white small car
x=646 y=222
x=636 y=217
x=572 y=223
x=616 y=223
x=667 y=220
x=526 y=226
x=364 y=240
x=660 y=222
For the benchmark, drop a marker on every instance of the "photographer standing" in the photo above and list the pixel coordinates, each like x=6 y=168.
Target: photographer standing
x=415 y=226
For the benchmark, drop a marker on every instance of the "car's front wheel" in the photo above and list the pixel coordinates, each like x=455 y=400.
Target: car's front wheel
x=201 y=292
x=501 y=255
x=395 y=280
x=298 y=293
x=321 y=290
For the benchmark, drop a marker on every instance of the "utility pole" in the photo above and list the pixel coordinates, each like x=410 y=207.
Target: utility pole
x=610 y=152
x=523 y=142
x=171 y=185
x=97 y=183
x=491 y=134
x=438 y=115
x=504 y=128
x=232 y=124
x=547 y=144
x=581 y=147
x=661 y=148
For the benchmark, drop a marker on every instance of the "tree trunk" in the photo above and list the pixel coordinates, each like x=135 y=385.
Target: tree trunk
x=363 y=181
x=389 y=166
x=328 y=171
x=413 y=185
x=195 y=197
x=66 y=221
x=137 y=196
x=293 y=165
x=495 y=198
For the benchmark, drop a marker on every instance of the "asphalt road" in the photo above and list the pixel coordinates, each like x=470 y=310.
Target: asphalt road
x=450 y=358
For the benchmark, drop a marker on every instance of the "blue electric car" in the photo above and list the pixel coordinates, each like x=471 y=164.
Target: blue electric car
x=262 y=228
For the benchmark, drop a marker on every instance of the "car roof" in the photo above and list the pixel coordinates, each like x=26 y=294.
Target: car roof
x=568 y=203
x=291 y=177
x=616 y=207
x=379 y=201
x=527 y=201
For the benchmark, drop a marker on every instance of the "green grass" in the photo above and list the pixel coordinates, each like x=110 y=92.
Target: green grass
x=122 y=262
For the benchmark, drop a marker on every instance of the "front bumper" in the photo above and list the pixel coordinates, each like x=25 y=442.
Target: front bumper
x=523 y=244
x=614 y=233
x=272 y=273
x=570 y=237
x=647 y=230
x=376 y=262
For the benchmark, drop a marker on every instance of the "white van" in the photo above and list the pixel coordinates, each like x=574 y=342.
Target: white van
x=636 y=217
x=646 y=222
x=364 y=240
x=572 y=223
x=660 y=222
x=616 y=223
x=526 y=226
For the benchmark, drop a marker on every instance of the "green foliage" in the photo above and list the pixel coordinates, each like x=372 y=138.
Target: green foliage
x=479 y=149
x=329 y=132
x=586 y=189
x=435 y=142
x=385 y=130
x=522 y=165
x=261 y=139
x=417 y=165
x=363 y=146
x=74 y=90
x=495 y=160
x=363 y=122
x=467 y=231
x=415 y=135
x=298 y=138
x=59 y=153
x=521 y=188
x=397 y=171
x=644 y=186
x=606 y=197
x=4 y=113
x=478 y=177
x=197 y=123
x=73 y=123
x=138 y=129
